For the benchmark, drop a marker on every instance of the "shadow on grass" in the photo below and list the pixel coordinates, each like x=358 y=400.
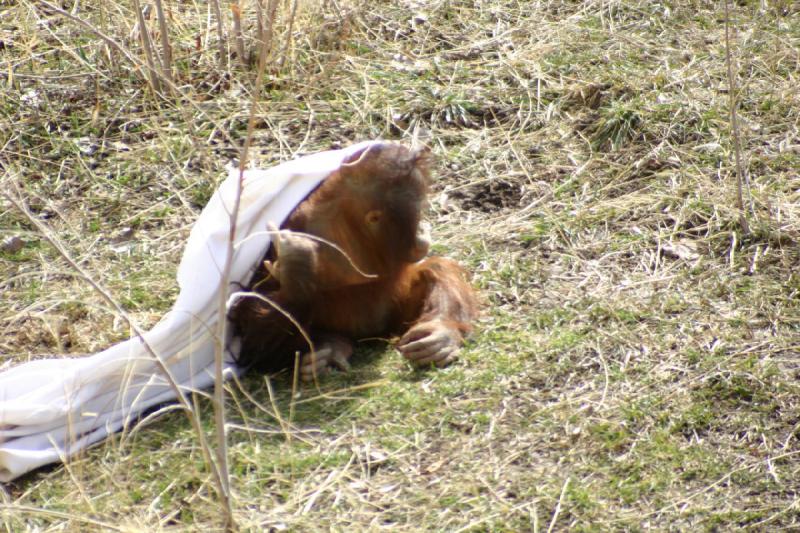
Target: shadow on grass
x=266 y=408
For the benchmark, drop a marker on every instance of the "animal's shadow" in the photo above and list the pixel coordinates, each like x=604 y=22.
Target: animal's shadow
x=266 y=397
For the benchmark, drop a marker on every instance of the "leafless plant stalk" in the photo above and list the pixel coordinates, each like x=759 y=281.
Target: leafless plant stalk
x=557 y=510
x=223 y=59
x=272 y=8
x=237 y=33
x=147 y=46
x=259 y=22
x=735 y=131
x=276 y=412
x=288 y=41
x=166 y=52
x=219 y=352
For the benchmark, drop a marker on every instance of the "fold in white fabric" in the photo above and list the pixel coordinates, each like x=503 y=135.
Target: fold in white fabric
x=51 y=409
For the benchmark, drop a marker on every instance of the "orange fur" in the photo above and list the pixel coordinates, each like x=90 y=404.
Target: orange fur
x=371 y=209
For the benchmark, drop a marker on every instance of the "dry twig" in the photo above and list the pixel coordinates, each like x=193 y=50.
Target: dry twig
x=735 y=130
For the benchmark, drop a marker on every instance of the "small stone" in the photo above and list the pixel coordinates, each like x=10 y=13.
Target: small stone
x=12 y=245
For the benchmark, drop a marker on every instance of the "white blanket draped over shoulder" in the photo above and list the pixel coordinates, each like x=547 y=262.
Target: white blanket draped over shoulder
x=52 y=408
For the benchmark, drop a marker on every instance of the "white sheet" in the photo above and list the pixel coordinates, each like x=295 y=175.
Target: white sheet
x=51 y=409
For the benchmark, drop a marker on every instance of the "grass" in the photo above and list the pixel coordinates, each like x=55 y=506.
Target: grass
x=635 y=365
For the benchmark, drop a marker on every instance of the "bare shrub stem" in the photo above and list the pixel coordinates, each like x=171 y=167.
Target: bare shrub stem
x=147 y=46
x=269 y=29
x=223 y=59
x=288 y=41
x=219 y=352
x=166 y=52
x=236 y=11
x=735 y=131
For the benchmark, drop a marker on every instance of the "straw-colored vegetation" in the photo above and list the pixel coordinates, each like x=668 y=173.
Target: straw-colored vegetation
x=636 y=364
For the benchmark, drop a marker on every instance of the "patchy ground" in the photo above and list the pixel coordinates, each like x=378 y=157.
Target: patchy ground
x=636 y=365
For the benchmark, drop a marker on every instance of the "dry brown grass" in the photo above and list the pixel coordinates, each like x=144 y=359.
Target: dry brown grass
x=636 y=364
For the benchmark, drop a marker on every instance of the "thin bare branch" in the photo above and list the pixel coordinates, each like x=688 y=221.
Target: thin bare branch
x=166 y=47
x=238 y=38
x=147 y=46
x=219 y=390
x=735 y=131
x=223 y=56
x=269 y=29
x=289 y=36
